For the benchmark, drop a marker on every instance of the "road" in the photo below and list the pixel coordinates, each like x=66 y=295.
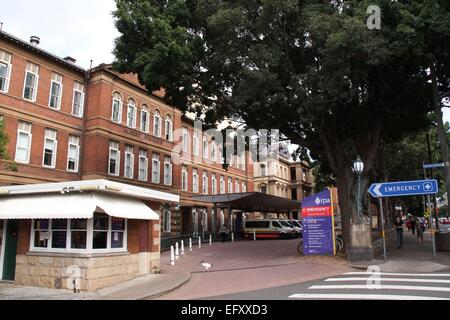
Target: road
x=358 y=286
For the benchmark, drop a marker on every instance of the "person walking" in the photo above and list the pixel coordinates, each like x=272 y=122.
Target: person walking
x=223 y=232
x=413 y=225
x=420 y=230
x=408 y=224
x=398 y=224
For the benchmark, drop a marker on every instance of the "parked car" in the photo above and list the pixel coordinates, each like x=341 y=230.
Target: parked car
x=267 y=229
x=289 y=224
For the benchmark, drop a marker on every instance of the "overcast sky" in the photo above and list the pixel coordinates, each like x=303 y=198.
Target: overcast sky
x=82 y=29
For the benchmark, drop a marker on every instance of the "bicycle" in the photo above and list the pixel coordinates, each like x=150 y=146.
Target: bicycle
x=338 y=242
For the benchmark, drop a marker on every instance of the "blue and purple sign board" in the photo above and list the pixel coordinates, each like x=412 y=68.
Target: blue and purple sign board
x=318 y=224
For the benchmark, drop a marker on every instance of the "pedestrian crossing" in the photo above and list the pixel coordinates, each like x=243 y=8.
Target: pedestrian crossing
x=380 y=286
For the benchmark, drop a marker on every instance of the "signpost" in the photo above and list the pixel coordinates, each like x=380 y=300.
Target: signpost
x=434 y=165
x=401 y=189
x=318 y=225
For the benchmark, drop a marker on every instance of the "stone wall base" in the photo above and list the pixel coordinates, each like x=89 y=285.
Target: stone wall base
x=89 y=273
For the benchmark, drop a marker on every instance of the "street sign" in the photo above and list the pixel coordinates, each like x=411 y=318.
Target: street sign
x=403 y=188
x=434 y=165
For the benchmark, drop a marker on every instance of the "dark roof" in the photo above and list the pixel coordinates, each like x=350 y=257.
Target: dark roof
x=251 y=202
x=24 y=44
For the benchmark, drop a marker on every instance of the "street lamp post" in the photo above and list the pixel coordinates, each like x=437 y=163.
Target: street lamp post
x=358 y=168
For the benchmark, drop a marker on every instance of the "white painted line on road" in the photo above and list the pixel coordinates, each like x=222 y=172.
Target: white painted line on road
x=380 y=287
x=401 y=274
x=390 y=280
x=360 y=296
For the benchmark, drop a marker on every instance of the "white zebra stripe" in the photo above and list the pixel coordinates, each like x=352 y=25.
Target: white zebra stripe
x=400 y=274
x=380 y=287
x=360 y=296
x=374 y=278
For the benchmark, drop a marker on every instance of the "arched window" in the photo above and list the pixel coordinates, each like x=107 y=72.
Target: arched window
x=168 y=128
x=157 y=124
x=263 y=188
x=145 y=119
x=116 y=111
x=131 y=114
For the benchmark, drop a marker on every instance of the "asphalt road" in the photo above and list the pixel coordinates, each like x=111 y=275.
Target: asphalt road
x=358 y=286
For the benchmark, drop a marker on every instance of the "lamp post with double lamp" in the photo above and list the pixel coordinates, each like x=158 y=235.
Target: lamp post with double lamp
x=358 y=168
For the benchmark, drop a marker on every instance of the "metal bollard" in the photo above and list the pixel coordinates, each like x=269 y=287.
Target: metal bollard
x=172 y=256
x=232 y=237
x=190 y=244
x=199 y=242
x=254 y=235
x=210 y=239
x=182 y=247
x=177 y=251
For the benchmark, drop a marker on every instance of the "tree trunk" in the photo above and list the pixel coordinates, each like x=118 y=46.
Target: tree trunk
x=441 y=132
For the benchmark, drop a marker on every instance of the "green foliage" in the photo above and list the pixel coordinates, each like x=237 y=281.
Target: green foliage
x=3 y=141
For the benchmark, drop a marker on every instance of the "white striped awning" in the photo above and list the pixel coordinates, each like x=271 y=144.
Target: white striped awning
x=73 y=206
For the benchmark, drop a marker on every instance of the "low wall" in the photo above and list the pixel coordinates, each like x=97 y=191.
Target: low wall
x=95 y=272
x=377 y=243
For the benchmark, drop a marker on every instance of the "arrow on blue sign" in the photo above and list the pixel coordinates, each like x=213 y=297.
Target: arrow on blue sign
x=434 y=165
x=403 y=188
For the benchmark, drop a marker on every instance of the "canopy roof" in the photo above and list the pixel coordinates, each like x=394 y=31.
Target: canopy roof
x=251 y=201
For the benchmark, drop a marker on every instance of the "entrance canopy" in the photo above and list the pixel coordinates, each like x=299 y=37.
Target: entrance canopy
x=251 y=202
x=79 y=200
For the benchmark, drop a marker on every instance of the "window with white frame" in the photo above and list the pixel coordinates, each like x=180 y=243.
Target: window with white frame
x=157 y=124
x=23 y=145
x=114 y=158
x=143 y=165
x=55 y=95
x=262 y=170
x=230 y=186
x=167 y=221
x=213 y=184
x=222 y=185
x=184 y=178
x=145 y=119
x=236 y=186
x=131 y=114
x=205 y=148
x=5 y=71
x=244 y=187
x=73 y=153
x=195 y=143
x=205 y=182
x=155 y=168
x=167 y=171
x=116 y=109
x=31 y=81
x=195 y=180
x=50 y=146
x=169 y=128
x=104 y=233
x=185 y=139
x=78 y=99
x=213 y=151
x=129 y=162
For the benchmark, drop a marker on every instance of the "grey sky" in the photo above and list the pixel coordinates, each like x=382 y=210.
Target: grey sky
x=82 y=29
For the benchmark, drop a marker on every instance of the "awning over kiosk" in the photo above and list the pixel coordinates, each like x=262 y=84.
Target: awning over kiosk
x=73 y=206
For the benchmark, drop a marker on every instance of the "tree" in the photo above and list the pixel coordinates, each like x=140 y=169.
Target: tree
x=310 y=68
x=3 y=141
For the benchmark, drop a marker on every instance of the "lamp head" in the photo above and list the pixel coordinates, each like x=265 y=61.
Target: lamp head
x=358 y=165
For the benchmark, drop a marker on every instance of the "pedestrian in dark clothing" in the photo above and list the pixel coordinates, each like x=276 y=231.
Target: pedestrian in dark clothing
x=223 y=232
x=399 y=228
x=420 y=231
x=413 y=225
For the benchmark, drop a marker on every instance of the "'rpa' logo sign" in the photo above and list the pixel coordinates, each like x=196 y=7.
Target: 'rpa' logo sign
x=319 y=201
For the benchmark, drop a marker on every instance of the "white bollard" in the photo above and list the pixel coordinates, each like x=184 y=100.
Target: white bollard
x=190 y=244
x=232 y=237
x=182 y=247
x=172 y=256
x=210 y=239
x=199 y=242
x=177 y=251
x=254 y=234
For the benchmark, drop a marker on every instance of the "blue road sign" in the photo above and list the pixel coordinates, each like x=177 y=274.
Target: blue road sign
x=434 y=165
x=403 y=188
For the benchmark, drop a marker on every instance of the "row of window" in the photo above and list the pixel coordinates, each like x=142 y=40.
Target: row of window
x=166 y=217
x=101 y=233
x=143 y=164
x=216 y=151
x=23 y=147
x=116 y=116
x=263 y=172
x=31 y=81
x=205 y=180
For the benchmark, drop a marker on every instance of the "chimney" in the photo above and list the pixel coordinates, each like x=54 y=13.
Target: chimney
x=70 y=59
x=35 y=40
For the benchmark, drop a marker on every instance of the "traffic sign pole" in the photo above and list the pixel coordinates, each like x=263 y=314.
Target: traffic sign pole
x=433 y=235
x=383 y=234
